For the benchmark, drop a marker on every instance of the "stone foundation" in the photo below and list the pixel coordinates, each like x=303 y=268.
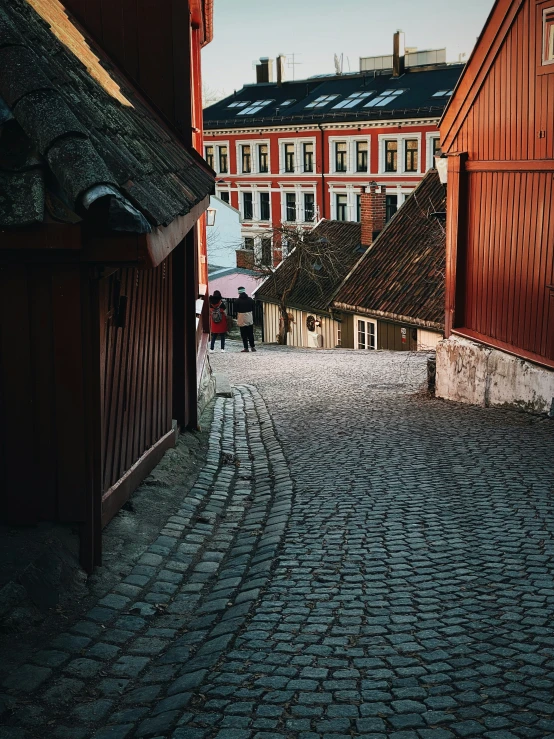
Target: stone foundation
x=469 y=372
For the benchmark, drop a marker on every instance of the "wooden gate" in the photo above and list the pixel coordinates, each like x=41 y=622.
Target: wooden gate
x=136 y=378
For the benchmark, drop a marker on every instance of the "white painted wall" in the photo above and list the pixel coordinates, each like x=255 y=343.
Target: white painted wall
x=224 y=238
x=427 y=340
x=300 y=336
x=469 y=372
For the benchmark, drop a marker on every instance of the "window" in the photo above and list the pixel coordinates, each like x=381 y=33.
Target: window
x=267 y=252
x=264 y=206
x=247 y=209
x=249 y=243
x=209 y=156
x=289 y=157
x=366 y=334
x=548 y=36
x=308 y=151
x=342 y=207
x=391 y=156
x=309 y=206
x=341 y=156
x=436 y=147
x=442 y=93
x=384 y=98
x=290 y=206
x=223 y=159
x=287 y=102
x=239 y=104
x=361 y=156
x=224 y=195
x=391 y=206
x=411 y=159
x=353 y=99
x=322 y=100
x=263 y=157
x=246 y=158
x=255 y=107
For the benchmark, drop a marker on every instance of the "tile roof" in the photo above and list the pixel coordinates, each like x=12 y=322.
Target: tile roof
x=75 y=132
x=419 y=85
x=402 y=274
x=308 y=293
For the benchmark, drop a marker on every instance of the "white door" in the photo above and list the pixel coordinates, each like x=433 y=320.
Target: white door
x=366 y=337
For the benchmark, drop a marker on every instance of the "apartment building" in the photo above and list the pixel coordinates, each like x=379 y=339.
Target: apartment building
x=296 y=152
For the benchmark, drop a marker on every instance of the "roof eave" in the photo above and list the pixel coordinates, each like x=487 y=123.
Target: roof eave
x=388 y=316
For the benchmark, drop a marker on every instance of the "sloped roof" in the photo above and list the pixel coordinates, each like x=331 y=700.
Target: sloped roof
x=75 y=132
x=343 y=238
x=402 y=274
x=419 y=85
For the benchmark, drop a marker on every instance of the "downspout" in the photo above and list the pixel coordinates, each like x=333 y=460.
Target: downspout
x=323 y=193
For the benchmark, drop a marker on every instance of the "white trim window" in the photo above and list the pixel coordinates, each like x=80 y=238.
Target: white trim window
x=224 y=194
x=400 y=154
x=349 y=155
x=297 y=156
x=253 y=157
x=432 y=145
x=344 y=202
x=298 y=204
x=264 y=205
x=246 y=199
x=365 y=333
x=216 y=154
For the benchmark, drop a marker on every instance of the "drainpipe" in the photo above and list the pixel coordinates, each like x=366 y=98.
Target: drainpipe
x=323 y=193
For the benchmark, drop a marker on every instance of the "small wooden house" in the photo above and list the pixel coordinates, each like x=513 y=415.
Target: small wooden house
x=498 y=136
x=102 y=257
x=394 y=296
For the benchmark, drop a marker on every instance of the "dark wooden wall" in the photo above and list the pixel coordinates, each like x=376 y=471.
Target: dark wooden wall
x=150 y=41
x=44 y=467
x=136 y=344
x=389 y=336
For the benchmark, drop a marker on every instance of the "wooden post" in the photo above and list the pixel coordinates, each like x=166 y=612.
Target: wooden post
x=455 y=241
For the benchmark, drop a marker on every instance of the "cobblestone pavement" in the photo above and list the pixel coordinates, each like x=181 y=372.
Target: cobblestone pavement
x=355 y=560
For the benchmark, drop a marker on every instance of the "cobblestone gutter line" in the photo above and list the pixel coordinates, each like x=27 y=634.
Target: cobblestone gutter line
x=132 y=664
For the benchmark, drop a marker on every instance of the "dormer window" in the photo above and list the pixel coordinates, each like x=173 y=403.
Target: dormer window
x=255 y=107
x=239 y=104
x=322 y=100
x=443 y=93
x=384 y=98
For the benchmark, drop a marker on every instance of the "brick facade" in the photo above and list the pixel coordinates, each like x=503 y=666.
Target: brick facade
x=373 y=207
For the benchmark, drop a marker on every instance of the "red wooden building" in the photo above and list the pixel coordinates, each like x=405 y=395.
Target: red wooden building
x=497 y=133
x=102 y=251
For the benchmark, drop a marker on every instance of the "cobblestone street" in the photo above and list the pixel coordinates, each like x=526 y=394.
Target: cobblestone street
x=356 y=559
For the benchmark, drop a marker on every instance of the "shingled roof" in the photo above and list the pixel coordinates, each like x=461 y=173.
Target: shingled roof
x=401 y=276
x=74 y=133
x=343 y=239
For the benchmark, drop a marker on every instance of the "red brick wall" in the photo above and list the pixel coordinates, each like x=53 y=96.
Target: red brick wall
x=245 y=259
x=373 y=212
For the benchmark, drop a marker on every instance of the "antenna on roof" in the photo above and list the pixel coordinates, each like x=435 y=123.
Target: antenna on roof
x=339 y=63
x=291 y=62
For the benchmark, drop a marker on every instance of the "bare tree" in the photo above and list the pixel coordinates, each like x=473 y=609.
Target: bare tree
x=210 y=95
x=310 y=256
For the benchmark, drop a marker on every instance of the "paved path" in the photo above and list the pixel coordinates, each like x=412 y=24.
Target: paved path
x=355 y=560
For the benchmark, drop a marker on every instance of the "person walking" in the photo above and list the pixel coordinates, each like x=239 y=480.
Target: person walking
x=218 y=320
x=245 y=319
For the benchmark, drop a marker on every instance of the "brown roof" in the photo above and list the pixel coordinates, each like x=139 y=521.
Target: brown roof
x=315 y=294
x=401 y=276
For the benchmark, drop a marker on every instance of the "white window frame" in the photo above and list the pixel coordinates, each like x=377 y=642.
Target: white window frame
x=401 y=139
x=429 y=138
x=254 y=156
x=366 y=320
x=258 y=206
x=217 y=145
x=219 y=190
x=252 y=191
x=351 y=142
x=298 y=155
x=299 y=190
x=350 y=191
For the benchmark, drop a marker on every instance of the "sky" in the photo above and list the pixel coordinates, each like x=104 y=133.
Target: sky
x=315 y=30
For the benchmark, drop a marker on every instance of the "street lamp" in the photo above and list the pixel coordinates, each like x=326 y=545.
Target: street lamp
x=210 y=215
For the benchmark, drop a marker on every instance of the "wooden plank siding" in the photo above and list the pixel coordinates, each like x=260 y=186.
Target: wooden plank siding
x=136 y=367
x=500 y=265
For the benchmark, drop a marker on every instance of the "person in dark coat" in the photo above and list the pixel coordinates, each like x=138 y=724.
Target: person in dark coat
x=245 y=319
x=218 y=320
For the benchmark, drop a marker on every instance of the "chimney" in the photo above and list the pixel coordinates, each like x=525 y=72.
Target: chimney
x=399 y=54
x=373 y=208
x=245 y=258
x=280 y=69
x=264 y=70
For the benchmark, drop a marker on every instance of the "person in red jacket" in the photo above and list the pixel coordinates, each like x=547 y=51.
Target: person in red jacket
x=218 y=320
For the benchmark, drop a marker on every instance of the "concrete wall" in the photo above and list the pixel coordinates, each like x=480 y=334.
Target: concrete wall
x=469 y=372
